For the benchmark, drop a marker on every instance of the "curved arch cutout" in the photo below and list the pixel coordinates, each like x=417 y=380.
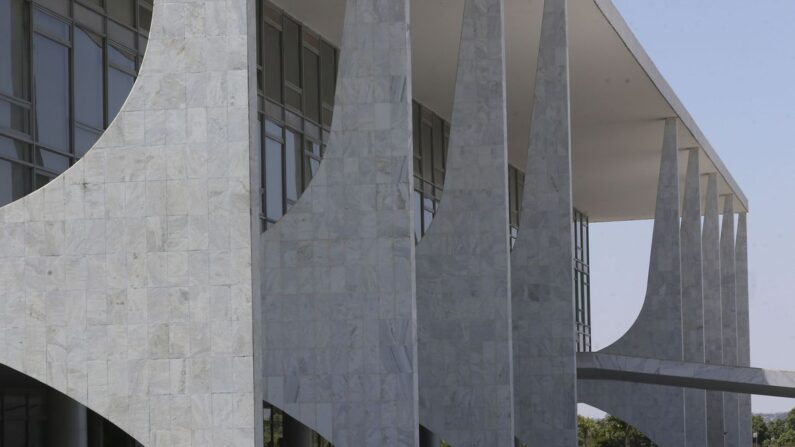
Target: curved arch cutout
x=281 y=429
x=649 y=409
x=64 y=81
x=33 y=414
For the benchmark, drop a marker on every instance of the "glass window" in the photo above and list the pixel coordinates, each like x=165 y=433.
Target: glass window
x=13 y=149
x=426 y=134
x=14 y=117
x=51 y=160
x=311 y=85
x=89 y=18
x=84 y=139
x=273 y=63
x=14 y=181
x=14 y=49
x=292 y=165
x=144 y=17
x=50 y=25
x=119 y=86
x=438 y=163
x=274 y=206
x=52 y=92
x=292 y=63
x=121 y=59
x=328 y=60
x=328 y=81
x=122 y=11
x=417 y=215
x=292 y=52
x=89 y=83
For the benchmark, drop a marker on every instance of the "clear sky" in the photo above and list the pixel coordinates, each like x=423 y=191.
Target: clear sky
x=732 y=63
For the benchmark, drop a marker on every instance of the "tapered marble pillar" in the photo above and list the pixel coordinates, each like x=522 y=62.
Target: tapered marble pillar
x=657 y=411
x=743 y=324
x=541 y=262
x=713 y=321
x=463 y=264
x=693 y=300
x=338 y=275
x=729 y=315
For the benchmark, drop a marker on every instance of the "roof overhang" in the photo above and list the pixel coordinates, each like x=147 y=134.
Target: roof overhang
x=619 y=98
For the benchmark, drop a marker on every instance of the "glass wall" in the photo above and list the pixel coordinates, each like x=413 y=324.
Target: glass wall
x=296 y=79
x=431 y=134
x=582 y=282
x=66 y=67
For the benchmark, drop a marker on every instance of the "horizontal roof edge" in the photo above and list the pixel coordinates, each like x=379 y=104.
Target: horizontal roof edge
x=616 y=20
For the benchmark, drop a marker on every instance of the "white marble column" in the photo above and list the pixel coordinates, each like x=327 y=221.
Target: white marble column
x=463 y=263
x=743 y=321
x=338 y=274
x=713 y=326
x=541 y=263
x=729 y=315
x=655 y=410
x=693 y=300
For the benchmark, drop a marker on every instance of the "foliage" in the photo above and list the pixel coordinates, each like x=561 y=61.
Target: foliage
x=776 y=433
x=609 y=432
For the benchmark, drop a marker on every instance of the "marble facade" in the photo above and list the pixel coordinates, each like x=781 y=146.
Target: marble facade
x=139 y=284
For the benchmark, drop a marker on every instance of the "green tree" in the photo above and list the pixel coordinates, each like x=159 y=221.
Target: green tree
x=760 y=428
x=609 y=432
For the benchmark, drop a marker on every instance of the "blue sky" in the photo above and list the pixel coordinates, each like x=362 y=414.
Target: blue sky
x=732 y=63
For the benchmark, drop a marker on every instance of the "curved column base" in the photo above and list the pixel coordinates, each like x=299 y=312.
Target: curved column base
x=656 y=410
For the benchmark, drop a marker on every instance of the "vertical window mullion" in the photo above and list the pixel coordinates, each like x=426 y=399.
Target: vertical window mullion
x=33 y=117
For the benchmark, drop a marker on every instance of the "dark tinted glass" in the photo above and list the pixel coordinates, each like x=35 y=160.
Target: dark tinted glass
x=292 y=52
x=52 y=92
x=292 y=165
x=329 y=74
x=144 y=17
x=426 y=135
x=89 y=18
x=51 y=161
x=14 y=117
x=274 y=206
x=49 y=24
x=122 y=11
x=14 y=48
x=119 y=86
x=14 y=181
x=121 y=59
x=89 y=83
x=273 y=63
x=84 y=139
x=13 y=149
x=311 y=85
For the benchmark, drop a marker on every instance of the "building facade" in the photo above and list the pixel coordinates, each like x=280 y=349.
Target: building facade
x=351 y=223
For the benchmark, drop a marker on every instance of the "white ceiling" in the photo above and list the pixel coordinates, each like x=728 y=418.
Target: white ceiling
x=618 y=98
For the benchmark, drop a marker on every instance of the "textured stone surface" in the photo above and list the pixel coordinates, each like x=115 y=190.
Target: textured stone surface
x=545 y=394
x=338 y=287
x=743 y=329
x=729 y=313
x=463 y=270
x=713 y=330
x=125 y=282
x=657 y=333
x=693 y=300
